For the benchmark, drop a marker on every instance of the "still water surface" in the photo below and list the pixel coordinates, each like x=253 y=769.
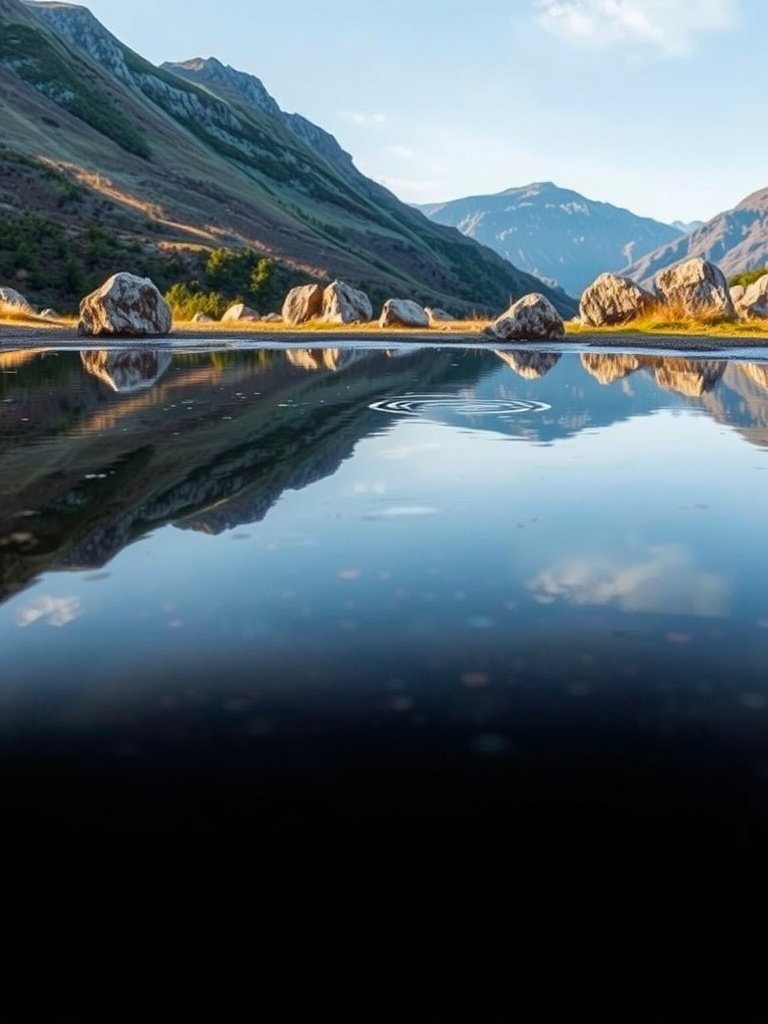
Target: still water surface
x=412 y=532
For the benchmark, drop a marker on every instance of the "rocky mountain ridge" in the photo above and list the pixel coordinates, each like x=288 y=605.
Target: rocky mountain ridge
x=555 y=233
x=93 y=134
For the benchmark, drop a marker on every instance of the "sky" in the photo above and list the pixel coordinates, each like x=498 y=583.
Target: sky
x=652 y=105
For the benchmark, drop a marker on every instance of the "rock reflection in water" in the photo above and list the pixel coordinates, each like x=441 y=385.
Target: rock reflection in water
x=530 y=364
x=757 y=373
x=127 y=370
x=321 y=358
x=689 y=377
x=608 y=367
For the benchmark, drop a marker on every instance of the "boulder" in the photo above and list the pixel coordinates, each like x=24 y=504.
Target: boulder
x=49 y=314
x=696 y=287
x=737 y=294
x=530 y=365
x=303 y=303
x=402 y=313
x=531 y=318
x=14 y=301
x=202 y=318
x=127 y=370
x=612 y=299
x=343 y=304
x=438 y=315
x=239 y=312
x=754 y=302
x=125 y=304
x=272 y=318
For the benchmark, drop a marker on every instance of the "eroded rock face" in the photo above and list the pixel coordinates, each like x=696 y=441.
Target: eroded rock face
x=689 y=377
x=530 y=365
x=612 y=299
x=753 y=304
x=303 y=303
x=131 y=370
x=239 y=312
x=696 y=287
x=531 y=318
x=14 y=300
x=343 y=304
x=403 y=313
x=125 y=305
x=607 y=367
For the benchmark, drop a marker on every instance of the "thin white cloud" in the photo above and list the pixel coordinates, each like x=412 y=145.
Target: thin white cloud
x=364 y=120
x=667 y=26
x=401 y=152
x=665 y=580
x=55 y=611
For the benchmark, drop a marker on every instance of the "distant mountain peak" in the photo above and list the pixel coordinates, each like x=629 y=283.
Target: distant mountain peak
x=555 y=233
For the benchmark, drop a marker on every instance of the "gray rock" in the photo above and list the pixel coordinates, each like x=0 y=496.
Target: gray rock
x=343 y=304
x=402 y=313
x=202 y=318
x=49 y=314
x=272 y=318
x=438 y=315
x=239 y=312
x=612 y=299
x=753 y=304
x=127 y=305
x=696 y=287
x=14 y=301
x=303 y=303
x=531 y=318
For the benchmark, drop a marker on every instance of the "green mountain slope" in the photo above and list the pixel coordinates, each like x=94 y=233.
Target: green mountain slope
x=160 y=170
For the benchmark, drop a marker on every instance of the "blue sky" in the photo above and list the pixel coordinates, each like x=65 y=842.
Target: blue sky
x=654 y=105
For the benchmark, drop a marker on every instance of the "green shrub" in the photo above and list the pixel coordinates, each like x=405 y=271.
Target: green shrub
x=748 y=277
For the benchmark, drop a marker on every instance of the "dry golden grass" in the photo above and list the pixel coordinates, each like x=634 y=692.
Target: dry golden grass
x=672 y=319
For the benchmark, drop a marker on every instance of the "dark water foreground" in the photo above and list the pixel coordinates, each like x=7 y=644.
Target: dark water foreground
x=348 y=685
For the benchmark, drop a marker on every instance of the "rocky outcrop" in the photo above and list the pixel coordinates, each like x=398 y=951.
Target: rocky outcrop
x=607 y=367
x=125 y=305
x=14 y=301
x=131 y=370
x=531 y=318
x=343 y=304
x=689 y=377
x=303 y=303
x=403 y=313
x=612 y=299
x=530 y=365
x=239 y=312
x=696 y=288
x=753 y=304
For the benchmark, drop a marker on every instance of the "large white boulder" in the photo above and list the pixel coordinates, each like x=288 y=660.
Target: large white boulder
x=343 y=304
x=239 y=312
x=303 y=303
x=754 y=302
x=402 y=313
x=696 y=287
x=613 y=299
x=14 y=301
x=531 y=318
x=126 y=305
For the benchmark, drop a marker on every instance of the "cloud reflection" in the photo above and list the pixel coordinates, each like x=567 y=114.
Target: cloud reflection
x=665 y=581
x=55 y=611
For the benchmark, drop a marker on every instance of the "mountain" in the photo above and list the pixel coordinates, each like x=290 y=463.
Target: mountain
x=132 y=166
x=687 y=226
x=736 y=240
x=554 y=233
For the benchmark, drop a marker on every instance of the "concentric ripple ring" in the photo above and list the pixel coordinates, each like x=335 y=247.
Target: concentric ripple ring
x=431 y=406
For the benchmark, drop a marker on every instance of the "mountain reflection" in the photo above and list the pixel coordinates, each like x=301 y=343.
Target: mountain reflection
x=210 y=441
x=131 y=370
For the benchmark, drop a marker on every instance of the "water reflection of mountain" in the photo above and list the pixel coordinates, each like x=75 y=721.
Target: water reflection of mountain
x=217 y=438
x=212 y=445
